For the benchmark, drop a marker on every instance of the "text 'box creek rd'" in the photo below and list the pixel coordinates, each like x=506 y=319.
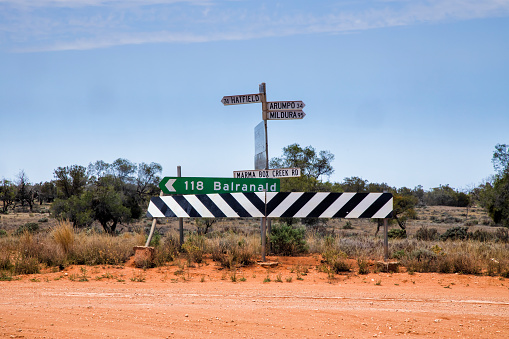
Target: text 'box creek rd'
x=269 y=173
x=206 y=185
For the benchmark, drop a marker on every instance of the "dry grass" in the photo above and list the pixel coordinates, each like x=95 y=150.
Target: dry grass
x=234 y=243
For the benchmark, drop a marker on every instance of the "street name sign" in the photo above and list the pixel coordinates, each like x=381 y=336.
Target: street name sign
x=285 y=115
x=241 y=99
x=285 y=105
x=206 y=185
x=270 y=173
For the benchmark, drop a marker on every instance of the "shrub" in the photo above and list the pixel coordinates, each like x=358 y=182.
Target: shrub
x=348 y=226
x=502 y=235
x=194 y=246
x=339 y=265
x=287 y=240
x=43 y=220
x=363 y=266
x=5 y=261
x=427 y=234
x=396 y=233
x=481 y=235
x=26 y=265
x=455 y=233
x=420 y=260
x=30 y=227
x=3 y=233
x=167 y=251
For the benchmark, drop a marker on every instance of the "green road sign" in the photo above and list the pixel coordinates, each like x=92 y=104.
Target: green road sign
x=193 y=185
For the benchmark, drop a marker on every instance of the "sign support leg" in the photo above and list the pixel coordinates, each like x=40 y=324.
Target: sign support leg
x=386 y=240
x=264 y=238
x=181 y=220
x=152 y=228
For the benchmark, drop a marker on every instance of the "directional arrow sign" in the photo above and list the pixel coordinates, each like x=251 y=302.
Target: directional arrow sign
x=285 y=115
x=194 y=185
x=270 y=173
x=285 y=105
x=241 y=99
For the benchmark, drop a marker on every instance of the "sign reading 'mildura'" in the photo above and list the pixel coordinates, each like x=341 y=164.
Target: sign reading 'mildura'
x=205 y=185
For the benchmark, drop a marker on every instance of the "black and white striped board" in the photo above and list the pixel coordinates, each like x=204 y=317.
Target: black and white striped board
x=273 y=205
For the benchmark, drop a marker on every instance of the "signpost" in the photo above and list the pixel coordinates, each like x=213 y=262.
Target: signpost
x=205 y=185
x=241 y=99
x=285 y=115
x=285 y=105
x=270 y=173
x=274 y=110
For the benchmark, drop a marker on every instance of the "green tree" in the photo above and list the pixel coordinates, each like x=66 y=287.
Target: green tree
x=494 y=194
x=70 y=180
x=311 y=163
x=7 y=194
x=500 y=158
x=355 y=185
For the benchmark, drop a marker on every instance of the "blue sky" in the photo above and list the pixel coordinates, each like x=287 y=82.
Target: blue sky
x=406 y=92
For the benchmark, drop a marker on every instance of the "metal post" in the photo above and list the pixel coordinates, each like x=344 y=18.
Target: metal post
x=263 y=92
x=386 y=240
x=181 y=220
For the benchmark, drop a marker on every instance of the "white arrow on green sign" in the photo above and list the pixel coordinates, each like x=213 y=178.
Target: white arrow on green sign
x=205 y=185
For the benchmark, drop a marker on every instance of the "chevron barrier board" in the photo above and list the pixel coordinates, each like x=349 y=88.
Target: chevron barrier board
x=273 y=205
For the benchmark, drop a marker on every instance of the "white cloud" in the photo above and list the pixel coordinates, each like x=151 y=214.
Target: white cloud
x=88 y=24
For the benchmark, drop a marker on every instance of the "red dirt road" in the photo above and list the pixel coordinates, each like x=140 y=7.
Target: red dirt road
x=204 y=302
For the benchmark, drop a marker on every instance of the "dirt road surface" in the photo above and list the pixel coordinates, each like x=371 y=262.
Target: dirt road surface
x=206 y=302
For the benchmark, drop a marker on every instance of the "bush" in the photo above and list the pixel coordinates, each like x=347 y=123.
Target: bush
x=396 y=234
x=502 y=235
x=167 y=251
x=31 y=227
x=455 y=233
x=194 y=246
x=481 y=235
x=287 y=240
x=3 y=233
x=26 y=265
x=427 y=234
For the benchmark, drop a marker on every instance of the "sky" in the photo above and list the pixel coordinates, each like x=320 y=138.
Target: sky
x=405 y=92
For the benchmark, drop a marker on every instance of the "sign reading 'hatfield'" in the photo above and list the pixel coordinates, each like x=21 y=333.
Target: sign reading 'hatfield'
x=270 y=173
x=241 y=99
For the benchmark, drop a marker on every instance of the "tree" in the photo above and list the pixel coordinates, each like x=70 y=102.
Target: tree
x=7 y=194
x=148 y=179
x=25 y=191
x=500 y=158
x=312 y=164
x=494 y=194
x=355 y=184
x=108 y=193
x=70 y=180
